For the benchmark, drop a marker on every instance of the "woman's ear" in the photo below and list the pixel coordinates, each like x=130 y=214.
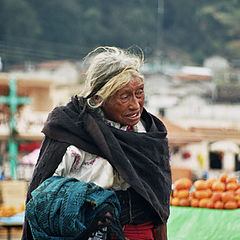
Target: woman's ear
x=97 y=99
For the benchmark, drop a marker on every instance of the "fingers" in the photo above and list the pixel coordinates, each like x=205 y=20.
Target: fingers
x=106 y=220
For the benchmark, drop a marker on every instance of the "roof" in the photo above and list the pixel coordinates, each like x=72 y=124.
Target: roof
x=201 y=71
x=192 y=77
x=216 y=134
x=178 y=136
x=26 y=80
x=52 y=64
x=194 y=73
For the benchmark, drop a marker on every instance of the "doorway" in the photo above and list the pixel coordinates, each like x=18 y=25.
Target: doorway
x=216 y=160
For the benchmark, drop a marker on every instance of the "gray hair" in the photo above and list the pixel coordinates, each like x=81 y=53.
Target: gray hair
x=110 y=70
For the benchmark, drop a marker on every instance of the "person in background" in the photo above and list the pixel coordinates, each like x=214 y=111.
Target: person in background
x=105 y=136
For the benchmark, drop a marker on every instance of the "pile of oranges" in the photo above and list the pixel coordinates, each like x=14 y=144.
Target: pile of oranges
x=217 y=193
x=8 y=211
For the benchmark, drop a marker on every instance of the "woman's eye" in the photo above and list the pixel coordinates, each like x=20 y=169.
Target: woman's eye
x=124 y=96
x=139 y=93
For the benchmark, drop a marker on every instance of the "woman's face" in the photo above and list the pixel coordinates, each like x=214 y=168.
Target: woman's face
x=126 y=105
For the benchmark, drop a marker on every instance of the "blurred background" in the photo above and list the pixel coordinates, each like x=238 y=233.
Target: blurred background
x=192 y=75
x=180 y=32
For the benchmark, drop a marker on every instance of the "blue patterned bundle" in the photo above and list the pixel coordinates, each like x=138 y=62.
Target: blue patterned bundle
x=63 y=208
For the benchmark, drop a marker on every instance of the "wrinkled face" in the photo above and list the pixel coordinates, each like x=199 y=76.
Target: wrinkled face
x=126 y=105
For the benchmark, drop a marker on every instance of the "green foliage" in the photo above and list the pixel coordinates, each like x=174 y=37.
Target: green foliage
x=33 y=30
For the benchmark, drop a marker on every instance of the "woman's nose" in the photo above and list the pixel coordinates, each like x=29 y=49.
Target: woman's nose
x=134 y=103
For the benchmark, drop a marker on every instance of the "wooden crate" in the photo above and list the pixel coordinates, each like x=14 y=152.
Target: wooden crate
x=180 y=173
x=13 y=193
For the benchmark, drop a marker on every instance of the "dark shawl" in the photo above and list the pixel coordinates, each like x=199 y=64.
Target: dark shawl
x=142 y=159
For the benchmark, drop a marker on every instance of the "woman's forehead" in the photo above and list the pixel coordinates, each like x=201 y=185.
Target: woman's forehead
x=133 y=83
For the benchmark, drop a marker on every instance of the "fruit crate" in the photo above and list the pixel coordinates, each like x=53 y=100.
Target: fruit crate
x=13 y=193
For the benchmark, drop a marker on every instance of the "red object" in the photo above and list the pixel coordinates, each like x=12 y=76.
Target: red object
x=29 y=146
x=129 y=128
x=186 y=155
x=138 y=232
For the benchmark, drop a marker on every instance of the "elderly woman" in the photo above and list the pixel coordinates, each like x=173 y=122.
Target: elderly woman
x=107 y=138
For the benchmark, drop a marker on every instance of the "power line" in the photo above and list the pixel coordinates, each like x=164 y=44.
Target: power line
x=25 y=51
x=29 y=49
x=43 y=43
x=16 y=53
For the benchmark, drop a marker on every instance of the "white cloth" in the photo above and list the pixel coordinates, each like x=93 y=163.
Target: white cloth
x=88 y=167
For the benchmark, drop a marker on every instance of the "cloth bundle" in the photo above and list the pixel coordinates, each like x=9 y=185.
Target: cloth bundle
x=64 y=208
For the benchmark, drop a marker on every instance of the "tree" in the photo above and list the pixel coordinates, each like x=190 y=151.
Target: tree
x=18 y=22
x=190 y=31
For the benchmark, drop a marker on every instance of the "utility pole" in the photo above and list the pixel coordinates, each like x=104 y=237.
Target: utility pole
x=1 y=65
x=160 y=12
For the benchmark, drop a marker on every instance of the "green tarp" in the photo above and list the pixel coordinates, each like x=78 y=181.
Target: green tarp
x=187 y=223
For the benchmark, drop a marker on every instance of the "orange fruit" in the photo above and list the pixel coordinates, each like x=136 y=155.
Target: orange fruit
x=183 y=183
x=218 y=186
x=231 y=186
x=231 y=205
x=183 y=194
x=184 y=202
x=194 y=202
x=175 y=201
x=228 y=196
x=203 y=202
x=175 y=193
x=231 y=179
x=237 y=191
x=210 y=203
x=223 y=177
x=209 y=192
x=238 y=203
x=218 y=205
x=200 y=194
x=237 y=197
x=216 y=196
x=193 y=194
x=200 y=185
x=211 y=181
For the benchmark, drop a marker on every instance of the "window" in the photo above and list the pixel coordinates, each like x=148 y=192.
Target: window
x=216 y=160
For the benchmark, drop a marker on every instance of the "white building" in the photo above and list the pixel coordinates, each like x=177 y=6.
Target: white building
x=185 y=99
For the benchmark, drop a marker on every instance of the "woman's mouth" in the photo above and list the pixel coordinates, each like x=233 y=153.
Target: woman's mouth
x=133 y=116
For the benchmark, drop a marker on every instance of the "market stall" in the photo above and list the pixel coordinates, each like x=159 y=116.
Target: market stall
x=188 y=223
x=205 y=209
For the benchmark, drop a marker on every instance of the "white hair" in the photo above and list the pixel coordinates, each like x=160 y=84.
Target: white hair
x=112 y=68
